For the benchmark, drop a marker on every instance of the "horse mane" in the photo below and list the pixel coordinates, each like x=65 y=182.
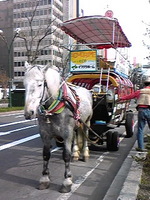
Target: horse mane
x=52 y=67
x=53 y=79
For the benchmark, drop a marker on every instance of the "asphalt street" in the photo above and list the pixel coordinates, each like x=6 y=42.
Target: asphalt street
x=102 y=177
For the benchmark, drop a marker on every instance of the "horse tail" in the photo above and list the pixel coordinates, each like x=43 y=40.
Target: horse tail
x=80 y=137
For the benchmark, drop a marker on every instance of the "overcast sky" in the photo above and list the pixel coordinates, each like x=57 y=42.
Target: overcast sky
x=130 y=14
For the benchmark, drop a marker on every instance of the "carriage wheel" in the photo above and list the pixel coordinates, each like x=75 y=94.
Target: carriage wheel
x=115 y=141
x=129 y=124
x=112 y=141
x=108 y=140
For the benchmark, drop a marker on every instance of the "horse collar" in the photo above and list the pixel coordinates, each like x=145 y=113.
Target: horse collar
x=56 y=107
x=62 y=100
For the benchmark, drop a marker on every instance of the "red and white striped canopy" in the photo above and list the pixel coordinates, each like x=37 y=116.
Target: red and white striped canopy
x=96 y=32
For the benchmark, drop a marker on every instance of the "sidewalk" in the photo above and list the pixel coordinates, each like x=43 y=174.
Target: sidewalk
x=131 y=185
x=131 y=172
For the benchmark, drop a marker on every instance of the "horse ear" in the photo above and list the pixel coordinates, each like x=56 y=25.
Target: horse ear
x=46 y=67
x=27 y=66
x=52 y=67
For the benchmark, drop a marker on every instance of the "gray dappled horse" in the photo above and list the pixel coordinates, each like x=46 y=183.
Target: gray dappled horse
x=58 y=108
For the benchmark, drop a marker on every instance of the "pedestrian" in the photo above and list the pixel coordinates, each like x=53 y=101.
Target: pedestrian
x=143 y=107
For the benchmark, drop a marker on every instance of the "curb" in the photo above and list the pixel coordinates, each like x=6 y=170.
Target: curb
x=128 y=177
x=131 y=185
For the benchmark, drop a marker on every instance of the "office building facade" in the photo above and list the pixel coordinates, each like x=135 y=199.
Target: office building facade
x=33 y=19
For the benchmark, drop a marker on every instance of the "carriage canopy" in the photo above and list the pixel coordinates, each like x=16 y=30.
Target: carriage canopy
x=97 y=32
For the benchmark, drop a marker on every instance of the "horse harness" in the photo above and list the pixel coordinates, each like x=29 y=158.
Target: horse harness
x=63 y=100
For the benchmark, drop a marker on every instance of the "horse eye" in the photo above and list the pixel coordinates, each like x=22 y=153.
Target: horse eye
x=40 y=85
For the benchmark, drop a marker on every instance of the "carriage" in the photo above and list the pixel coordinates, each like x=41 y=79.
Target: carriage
x=92 y=67
x=86 y=105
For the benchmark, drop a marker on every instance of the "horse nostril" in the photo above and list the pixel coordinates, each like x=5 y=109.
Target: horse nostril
x=29 y=114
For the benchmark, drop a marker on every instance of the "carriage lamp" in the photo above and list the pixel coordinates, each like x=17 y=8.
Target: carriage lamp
x=9 y=48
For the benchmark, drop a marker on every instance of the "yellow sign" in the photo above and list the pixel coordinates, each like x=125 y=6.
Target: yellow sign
x=83 y=60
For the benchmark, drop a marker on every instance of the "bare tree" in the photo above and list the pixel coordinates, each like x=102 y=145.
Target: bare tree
x=146 y=42
x=33 y=37
x=4 y=81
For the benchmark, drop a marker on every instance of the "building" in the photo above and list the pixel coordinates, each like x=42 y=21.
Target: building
x=34 y=19
x=6 y=37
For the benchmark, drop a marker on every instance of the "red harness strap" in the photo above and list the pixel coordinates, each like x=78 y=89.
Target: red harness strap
x=75 y=105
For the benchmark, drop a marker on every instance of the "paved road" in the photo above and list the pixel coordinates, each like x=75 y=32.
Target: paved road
x=21 y=165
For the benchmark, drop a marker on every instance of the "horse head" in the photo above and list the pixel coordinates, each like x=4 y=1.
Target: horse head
x=40 y=82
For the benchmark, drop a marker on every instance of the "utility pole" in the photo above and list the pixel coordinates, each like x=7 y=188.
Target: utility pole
x=77 y=8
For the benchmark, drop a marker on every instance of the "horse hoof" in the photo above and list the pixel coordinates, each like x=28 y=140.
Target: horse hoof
x=44 y=186
x=85 y=158
x=66 y=186
x=74 y=159
x=44 y=182
x=75 y=156
x=65 y=189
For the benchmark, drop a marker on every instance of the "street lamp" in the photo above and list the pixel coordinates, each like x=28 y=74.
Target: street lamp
x=9 y=48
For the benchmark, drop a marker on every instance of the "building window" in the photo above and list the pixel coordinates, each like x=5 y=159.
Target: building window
x=45 y=2
x=41 y=12
x=19 y=73
x=45 y=12
x=18 y=6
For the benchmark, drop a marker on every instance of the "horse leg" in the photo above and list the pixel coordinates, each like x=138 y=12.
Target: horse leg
x=75 y=151
x=67 y=183
x=45 y=180
x=85 y=144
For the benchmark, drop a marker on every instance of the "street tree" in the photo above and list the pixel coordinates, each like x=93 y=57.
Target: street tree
x=146 y=41
x=4 y=82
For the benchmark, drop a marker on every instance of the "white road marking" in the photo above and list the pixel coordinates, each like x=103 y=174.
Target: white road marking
x=11 y=144
x=135 y=124
x=8 y=115
x=80 y=180
x=19 y=129
x=19 y=116
x=12 y=123
x=56 y=149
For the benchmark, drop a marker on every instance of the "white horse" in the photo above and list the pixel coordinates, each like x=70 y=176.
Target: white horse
x=59 y=109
